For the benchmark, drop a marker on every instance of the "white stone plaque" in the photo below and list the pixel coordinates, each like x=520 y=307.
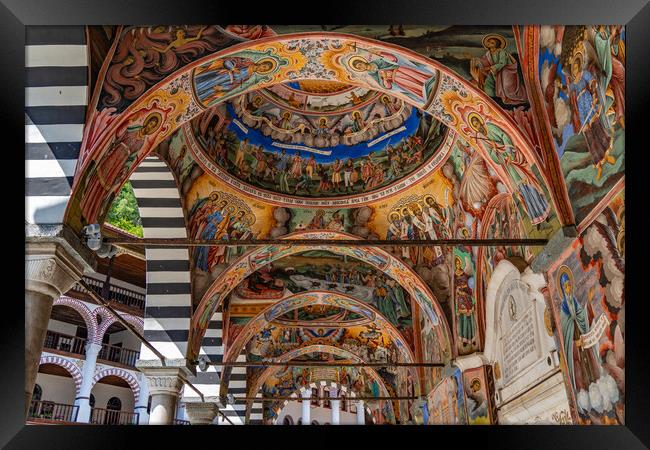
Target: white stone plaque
x=517 y=342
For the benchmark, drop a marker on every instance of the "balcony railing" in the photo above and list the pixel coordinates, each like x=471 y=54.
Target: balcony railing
x=99 y=416
x=53 y=411
x=77 y=345
x=64 y=342
x=117 y=294
x=119 y=355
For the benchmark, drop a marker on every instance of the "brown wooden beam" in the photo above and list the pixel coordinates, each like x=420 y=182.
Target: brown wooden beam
x=181 y=242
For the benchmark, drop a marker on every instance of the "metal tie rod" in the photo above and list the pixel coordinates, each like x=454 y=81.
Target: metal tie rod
x=321 y=364
x=270 y=399
x=182 y=242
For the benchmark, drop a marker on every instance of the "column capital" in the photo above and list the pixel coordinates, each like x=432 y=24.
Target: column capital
x=201 y=413
x=53 y=264
x=164 y=380
x=306 y=393
x=93 y=347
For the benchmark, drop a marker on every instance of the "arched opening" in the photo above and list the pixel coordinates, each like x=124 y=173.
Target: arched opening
x=68 y=330
x=454 y=104
x=377 y=258
x=113 y=408
x=55 y=391
x=119 y=346
x=320 y=411
x=114 y=402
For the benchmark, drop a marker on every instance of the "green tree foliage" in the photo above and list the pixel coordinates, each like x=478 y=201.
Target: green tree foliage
x=124 y=212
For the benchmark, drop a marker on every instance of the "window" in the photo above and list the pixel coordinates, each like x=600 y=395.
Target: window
x=113 y=406
x=288 y=420
x=91 y=401
x=149 y=405
x=326 y=403
x=344 y=402
x=36 y=397
x=38 y=393
x=314 y=396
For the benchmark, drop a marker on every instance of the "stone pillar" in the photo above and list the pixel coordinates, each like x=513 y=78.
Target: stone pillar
x=165 y=384
x=82 y=400
x=202 y=413
x=336 y=407
x=143 y=401
x=52 y=265
x=361 y=414
x=306 y=406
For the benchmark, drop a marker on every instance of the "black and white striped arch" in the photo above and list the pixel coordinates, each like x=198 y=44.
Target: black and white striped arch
x=168 y=307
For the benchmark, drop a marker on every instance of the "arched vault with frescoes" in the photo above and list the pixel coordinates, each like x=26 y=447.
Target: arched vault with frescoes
x=364 y=219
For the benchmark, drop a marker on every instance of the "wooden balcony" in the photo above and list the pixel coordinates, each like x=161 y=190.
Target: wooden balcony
x=45 y=411
x=76 y=346
x=99 y=416
x=60 y=342
x=119 y=355
x=124 y=299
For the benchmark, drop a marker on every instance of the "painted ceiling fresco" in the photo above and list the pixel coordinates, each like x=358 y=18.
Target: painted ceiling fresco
x=320 y=270
x=264 y=148
x=227 y=77
x=393 y=132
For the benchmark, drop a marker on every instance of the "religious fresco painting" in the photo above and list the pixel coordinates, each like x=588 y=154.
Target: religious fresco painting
x=587 y=295
x=466 y=318
x=368 y=148
x=582 y=75
x=446 y=402
x=321 y=270
x=470 y=51
x=408 y=134
x=477 y=397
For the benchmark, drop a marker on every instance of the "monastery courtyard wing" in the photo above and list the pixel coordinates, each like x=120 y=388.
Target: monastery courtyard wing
x=344 y=225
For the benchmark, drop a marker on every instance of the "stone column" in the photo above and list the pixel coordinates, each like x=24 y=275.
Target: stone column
x=164 y=387
x=361 y=414
x=82 y=400
x=143 y=401
x=201 y=413
x=52 y=265
x=336 y=407
x=306 y=406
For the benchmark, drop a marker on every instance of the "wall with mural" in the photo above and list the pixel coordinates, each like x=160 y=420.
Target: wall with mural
x=478 y=396
x=587 y=296
x=349 y=133
x=446 y=402
x=582 y=76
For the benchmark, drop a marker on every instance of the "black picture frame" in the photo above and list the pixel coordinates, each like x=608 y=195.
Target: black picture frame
x=635 y=14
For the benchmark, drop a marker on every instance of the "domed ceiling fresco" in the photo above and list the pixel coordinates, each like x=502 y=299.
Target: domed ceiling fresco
x=346 y=145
